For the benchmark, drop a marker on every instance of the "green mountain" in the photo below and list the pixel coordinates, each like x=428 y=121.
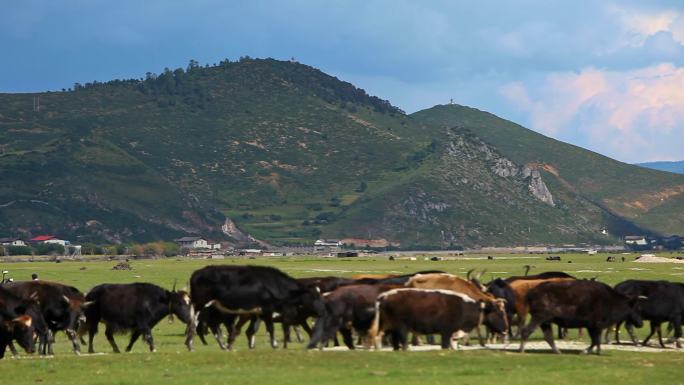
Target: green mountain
x=287 y=154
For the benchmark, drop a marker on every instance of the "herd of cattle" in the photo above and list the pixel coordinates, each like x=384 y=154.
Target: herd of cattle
x=377 y=308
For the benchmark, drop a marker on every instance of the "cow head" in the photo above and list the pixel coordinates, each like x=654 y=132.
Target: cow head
x=179 y=304
x=634 y=312
x=309 y=300
x=23 y=331
x=495 y=317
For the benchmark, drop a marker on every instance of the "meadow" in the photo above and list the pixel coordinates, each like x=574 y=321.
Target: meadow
x=172 y=364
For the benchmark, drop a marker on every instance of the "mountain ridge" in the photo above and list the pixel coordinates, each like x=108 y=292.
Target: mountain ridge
x=287 y=154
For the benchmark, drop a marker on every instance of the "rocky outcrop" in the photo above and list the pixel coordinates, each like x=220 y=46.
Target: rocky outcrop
x=538 y=188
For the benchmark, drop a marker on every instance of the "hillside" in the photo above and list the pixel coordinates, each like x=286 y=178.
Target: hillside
x=676 y=167
x=648 y=198
x=288 y=154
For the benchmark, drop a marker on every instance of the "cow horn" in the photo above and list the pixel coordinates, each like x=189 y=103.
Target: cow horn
x=174 y=285
x=86 y=304
x=468 y=274
x=66 y=299
x=480 y=274
x=642 y=297
x=34 y=296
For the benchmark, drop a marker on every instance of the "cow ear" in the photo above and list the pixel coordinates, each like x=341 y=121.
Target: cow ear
x=34 y=296
x=24 y=320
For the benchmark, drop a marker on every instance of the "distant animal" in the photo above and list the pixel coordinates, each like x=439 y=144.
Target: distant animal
x=134 y=307
x=577 y=304
x=553 y=258
x=610 y=258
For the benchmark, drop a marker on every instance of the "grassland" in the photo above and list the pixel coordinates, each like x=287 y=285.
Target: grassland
x=172 y=364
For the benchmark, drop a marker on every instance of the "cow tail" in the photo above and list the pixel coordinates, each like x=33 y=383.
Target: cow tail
x=375 y=327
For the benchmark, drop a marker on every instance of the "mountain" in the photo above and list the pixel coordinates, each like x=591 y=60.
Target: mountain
x=676 y=167
x=281 y=152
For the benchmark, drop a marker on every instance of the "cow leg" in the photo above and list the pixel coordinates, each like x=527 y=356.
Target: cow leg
x=632 y=335
x=307 y=329
x=286 y=335
x=269 y=328
x=677 y=326
x=50 y=343
x=251 y=331
x=12 y=349
x=147 y=336
x=134 y=337
x=648 y=337
x=109 y=333
x=595 y=335
x=73 y=337
x=217 y=332
x=3 y=347
x=547 y=329
x=192 y=328
x=659 y=331
x=298 y=333
x=347 y=337
x=525 y=333
x=446 y=339
x=91 y=335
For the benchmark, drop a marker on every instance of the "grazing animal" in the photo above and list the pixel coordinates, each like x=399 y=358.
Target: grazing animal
x=520 y=286
x=134 y=307
x=470 y=288
x=664 y=302
x=16 y=323
x=61 y=306
x=348 y=308
x=252 y=290
x=577 y=304
x=425 y=311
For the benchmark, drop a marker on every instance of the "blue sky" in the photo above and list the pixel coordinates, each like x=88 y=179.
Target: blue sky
x=605 y=75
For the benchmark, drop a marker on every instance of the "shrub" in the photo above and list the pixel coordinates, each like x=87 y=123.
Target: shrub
x=18 y=250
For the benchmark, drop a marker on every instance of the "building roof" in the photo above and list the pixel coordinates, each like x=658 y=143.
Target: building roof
x=41 y=238
x=9 y=239
x=634 y=237
x=188 y=239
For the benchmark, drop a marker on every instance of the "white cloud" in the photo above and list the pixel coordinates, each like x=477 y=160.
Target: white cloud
x=639 y=24
x=633 y=115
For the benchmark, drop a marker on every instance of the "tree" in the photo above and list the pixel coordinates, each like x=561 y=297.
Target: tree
x=192 y=65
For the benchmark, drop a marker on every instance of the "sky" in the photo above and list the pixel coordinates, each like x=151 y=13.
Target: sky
x=604 y=75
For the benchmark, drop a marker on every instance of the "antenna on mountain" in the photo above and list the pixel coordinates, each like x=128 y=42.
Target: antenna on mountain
x=451 y=101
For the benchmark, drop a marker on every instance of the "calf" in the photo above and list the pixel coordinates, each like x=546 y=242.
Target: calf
x=61 y=307
x=664 y=302
x=252 y=290
x=348 y=307
x=423 y=311
x=135 y=307
x=577 y=304
x=16 y=323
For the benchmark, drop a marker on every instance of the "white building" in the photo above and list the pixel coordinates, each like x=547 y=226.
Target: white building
x=327 y=246
x=12 y=242
x=192 y=243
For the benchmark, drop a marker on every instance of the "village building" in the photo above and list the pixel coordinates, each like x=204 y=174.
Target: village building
x=12 y=242
x=327 y=246
x=49 y=239
x=194 y=243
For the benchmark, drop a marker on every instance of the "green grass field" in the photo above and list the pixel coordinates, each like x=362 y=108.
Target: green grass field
x=172 y=364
